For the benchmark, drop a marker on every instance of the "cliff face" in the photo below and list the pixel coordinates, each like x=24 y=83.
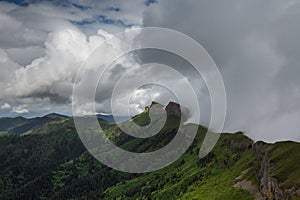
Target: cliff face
x=265 y=168
x=173 y=109
x=269 y=185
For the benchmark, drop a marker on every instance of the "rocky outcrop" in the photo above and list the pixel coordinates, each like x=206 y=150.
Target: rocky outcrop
x=258 y=148
x=240 y=146
x=247 y=185
x=173 y=109
x=155 y=108
x=269 y=185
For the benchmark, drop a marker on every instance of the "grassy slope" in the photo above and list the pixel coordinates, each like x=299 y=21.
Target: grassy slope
x=285 y=156
x=20 y=125
x=188 y=178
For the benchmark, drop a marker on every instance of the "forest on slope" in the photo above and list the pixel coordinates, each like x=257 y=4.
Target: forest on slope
x=48 y=161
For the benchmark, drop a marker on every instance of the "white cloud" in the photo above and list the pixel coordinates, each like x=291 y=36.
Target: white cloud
x=5 y=106
x=41 y=48
x=254 y=44
x=51 y=77
x=21 y=109
x=25 y=55
x=56 y=70
x=24 y=29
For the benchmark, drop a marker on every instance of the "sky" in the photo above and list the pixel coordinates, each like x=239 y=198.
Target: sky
x=255 y=45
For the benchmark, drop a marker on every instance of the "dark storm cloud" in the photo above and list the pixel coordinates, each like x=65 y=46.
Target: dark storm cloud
x=256 y=47
x=254 y=43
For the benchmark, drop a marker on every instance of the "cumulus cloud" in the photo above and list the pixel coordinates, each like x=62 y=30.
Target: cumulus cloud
x=43 y=43
x=50 y=79
x=25 y=27
x=255 y=46
x=21 y=109
x=5 y=106
x=52 y=75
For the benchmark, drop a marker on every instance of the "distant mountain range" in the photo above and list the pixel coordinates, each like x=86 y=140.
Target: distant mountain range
x=43 y=158
x=21 y=125
x=112 y=119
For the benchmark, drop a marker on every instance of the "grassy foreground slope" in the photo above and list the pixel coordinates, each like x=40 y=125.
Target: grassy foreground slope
x=190 y=178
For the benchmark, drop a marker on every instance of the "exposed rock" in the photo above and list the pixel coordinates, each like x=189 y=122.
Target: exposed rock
x=238 y=145
x=247 y=185
x=269 y=185
x=173 y=109
x=241 y=146
x=147 y=108
x=258 y=147
x=155 y=108
x=241 y=176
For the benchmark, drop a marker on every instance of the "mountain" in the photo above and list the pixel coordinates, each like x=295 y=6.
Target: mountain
x=56 y=116
x=50 y=162
x=6 y=123
x=21 y=125
x=111 y=118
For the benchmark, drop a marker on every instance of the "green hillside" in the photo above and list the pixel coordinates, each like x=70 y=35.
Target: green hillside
x=50 y=162
x=21 y=125
x=286 y=159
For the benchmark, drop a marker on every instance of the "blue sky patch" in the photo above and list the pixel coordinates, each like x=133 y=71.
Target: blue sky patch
x=149 y=2
x=18 y=2
x=80 y=7
x=84 y=22
x=114 y=9
x=105 y=20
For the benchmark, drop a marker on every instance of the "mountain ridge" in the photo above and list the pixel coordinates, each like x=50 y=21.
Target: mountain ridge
x=52 y=163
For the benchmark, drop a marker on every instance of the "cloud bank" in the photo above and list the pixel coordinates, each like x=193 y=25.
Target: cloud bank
x=255 y=44
x=43 y=43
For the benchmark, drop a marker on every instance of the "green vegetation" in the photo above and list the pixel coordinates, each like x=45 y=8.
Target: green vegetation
x=190 y=178
x=21 y=125
x=285 y=157
x=50 y=162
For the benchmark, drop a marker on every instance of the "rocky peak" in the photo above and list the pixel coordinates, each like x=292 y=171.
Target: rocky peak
x=173 y=109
